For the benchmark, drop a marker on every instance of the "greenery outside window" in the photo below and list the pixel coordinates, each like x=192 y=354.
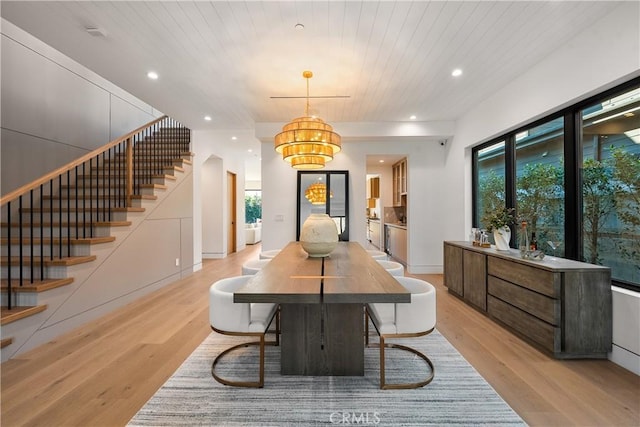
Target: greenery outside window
x=611 y=185
x=540 y=183
x=252 y=206
x=490 y=174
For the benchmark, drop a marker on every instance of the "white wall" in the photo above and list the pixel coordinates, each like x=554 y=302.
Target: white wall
x=54 y=110
x=600 y=58
x=216 y=155
x=212 y=197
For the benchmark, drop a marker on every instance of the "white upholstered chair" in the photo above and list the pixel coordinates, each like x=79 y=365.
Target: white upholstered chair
x=252 y=266
x=377 y=255
x=240 y=319
x=269 y=254
x=394 y=268
x=405 y=320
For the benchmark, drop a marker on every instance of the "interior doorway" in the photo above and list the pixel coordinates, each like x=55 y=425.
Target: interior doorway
x=231 y=214
x=324 y=192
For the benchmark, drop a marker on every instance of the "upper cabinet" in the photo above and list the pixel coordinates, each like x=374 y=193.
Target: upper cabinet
x=373 y=188
x=399 y=173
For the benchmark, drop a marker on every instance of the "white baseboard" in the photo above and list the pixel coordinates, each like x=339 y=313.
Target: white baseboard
x=625 y=358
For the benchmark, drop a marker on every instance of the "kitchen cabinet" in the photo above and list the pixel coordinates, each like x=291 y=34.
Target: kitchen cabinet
x=374 y=232
x=563 y=307
x=399 y=182
x=373 y=188
x=396 y=242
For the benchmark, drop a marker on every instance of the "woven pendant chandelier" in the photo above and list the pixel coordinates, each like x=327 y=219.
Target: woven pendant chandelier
x=307 y=142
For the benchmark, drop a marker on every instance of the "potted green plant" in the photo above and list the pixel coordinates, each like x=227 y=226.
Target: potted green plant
x=498 y=222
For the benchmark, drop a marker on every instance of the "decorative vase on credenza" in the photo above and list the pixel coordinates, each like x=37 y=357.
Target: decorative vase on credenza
x=502 y=236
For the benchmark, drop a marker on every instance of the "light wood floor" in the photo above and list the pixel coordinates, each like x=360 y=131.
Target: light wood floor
x=101 y=374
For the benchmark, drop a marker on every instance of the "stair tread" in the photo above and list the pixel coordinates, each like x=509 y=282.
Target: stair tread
x=36 y=286
x=72 y=224
x=146 y=175
x=73 y=240
x=64 y=261
x=102 y=197
x=72 y=209
x=17 y=313
x=174 y=167
x=4 y=342
x=92 y=186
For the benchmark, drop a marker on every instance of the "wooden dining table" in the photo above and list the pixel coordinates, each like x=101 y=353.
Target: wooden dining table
x=321 y=301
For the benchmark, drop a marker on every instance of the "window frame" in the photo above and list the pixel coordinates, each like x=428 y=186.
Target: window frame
x=573 y=156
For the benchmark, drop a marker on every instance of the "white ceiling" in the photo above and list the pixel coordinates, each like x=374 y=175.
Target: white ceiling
x=226 y=59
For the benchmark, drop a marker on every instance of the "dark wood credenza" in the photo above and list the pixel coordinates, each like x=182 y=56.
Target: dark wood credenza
x=561 y=306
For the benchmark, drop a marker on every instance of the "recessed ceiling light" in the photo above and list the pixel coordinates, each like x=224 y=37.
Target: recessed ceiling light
x=207 y=118
x=299 y=26
x=152 y=75
x=457 y=72
x=234 y=138
x=381 y=161
x=412 y=117
x=250 y=150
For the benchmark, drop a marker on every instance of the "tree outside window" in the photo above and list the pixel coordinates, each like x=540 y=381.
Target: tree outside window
x=252 y=206
x=611 y=185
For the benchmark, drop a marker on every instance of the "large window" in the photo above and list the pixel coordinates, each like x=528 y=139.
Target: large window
x=575 y=178
x=540 y=183
x=490 y=173
x=610 y=175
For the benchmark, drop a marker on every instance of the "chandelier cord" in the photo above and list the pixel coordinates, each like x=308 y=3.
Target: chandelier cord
x=306 y=110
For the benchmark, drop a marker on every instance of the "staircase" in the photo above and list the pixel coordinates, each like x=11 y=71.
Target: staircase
x=52 y=227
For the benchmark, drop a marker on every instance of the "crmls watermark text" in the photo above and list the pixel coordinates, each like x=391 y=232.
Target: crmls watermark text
x=355 y=418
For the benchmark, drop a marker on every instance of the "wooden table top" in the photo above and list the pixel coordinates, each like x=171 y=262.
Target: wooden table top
x=350 y=275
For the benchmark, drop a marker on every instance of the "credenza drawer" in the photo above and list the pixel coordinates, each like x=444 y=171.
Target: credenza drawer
x=536 y=279
x=541 y=332
x=541 y=306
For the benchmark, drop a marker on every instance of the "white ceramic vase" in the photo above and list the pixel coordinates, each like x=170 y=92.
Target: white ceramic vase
x=319 y=235
x=502 y=237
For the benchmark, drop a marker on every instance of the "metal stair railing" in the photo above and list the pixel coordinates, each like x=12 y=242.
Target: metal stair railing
x=105 y=182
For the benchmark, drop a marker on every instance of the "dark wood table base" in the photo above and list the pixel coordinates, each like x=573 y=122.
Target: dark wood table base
x=322 y=339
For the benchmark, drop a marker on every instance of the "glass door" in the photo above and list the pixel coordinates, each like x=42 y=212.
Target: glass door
x=324 y=192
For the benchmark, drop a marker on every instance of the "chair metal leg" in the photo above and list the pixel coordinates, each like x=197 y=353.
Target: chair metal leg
x=277 y=342
x=255 y=384
x=382 y=373
x=383 y=382
x=261 y=343
x=261 y=382
x=366 y=328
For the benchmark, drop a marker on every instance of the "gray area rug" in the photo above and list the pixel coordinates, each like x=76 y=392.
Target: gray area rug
x=458 y=395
